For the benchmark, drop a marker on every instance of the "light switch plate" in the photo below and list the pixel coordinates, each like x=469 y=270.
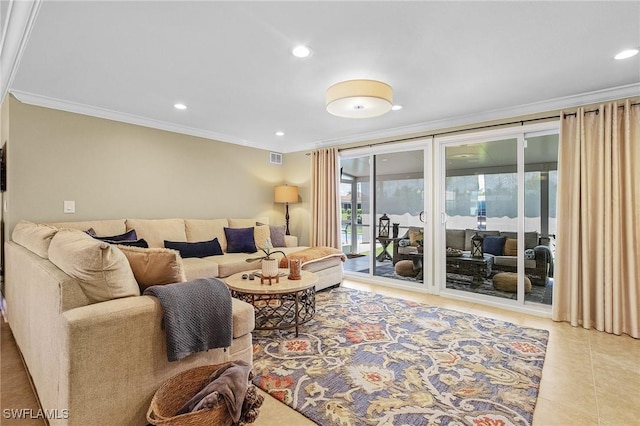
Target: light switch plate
x=69 y=207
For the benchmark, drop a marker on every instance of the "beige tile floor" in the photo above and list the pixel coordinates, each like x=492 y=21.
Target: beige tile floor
x=589 y=377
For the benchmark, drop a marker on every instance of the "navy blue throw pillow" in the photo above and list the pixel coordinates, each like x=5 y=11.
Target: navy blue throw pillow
x=493 y=245
x=197 y=249
x=127 y=236
x=240 y=240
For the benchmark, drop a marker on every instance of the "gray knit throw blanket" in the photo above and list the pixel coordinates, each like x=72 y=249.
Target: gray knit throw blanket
x=197 y=316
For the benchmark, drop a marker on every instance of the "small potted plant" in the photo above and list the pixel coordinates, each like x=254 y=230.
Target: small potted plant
x=269 y=264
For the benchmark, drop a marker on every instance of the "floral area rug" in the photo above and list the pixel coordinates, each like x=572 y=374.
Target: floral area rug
x=367 y=359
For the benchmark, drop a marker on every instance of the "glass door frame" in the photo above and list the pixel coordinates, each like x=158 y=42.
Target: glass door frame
x=426 y=146
x=439 y=213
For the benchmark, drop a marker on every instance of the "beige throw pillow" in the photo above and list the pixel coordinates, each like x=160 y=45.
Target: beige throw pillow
x=33 y=236
x=414 y=236
x=261 y=234
x=102 y=269
x=154 y=266
x=511 y=247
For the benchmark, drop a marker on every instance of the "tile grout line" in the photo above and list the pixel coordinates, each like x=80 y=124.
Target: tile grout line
x=593 y=379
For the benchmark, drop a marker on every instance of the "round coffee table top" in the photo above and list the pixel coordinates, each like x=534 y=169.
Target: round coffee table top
x=235 y=282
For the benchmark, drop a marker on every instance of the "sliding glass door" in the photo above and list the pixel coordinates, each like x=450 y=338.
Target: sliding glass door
x=393 y=243
x=497 y=204
x=481 y=211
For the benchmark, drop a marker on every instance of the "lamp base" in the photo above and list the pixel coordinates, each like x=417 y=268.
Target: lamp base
x=286 y=219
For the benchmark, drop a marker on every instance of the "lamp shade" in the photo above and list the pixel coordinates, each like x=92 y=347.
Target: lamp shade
x=286 y=194
x=359 y=98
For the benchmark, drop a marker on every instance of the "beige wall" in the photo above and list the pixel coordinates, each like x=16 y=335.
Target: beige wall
x=115 y=170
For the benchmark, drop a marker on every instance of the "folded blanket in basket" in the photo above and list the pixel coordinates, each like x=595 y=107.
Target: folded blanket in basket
x=230 y=381
x=197 y=316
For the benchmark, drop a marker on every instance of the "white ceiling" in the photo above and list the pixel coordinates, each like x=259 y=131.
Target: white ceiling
x=449 y=63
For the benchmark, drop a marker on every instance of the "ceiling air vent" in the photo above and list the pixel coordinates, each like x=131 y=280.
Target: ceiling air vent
x=276 y=158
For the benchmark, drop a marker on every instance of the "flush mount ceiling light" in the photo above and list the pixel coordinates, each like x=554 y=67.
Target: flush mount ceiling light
x=179 y=106
x=359 y=98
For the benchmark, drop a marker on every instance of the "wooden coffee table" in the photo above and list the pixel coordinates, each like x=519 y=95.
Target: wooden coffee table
x=277 y=306
x=477 y=268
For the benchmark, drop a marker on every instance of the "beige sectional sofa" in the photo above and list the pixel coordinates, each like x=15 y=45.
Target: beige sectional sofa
x=97 y=354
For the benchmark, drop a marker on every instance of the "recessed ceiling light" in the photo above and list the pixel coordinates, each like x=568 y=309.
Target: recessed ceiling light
x=396 y=107
x=279 y=133
x=627 y=54
x=301 y=51
x=179 y=106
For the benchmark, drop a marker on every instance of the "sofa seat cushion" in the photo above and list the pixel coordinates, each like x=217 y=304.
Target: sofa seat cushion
x=155 y=231
x=323 y=264
x=34 y=237
x=205 y=267
x=243 y=318
x=512 y=261
x=232 y=263
x=102 y=269
x=408 y=250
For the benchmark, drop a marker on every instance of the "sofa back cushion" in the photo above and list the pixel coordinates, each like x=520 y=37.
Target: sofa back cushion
x=35 y=237
x=247 y=223
x=101 y=227
x=206 y=230
x=155 y=231
x=154 y=266
x=455 y=238
x=101 y=268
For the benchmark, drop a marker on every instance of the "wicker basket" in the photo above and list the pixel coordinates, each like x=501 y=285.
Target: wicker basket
x=179 y=389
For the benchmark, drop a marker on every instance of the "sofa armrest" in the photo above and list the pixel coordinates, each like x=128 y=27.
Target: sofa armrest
x=291 y=240
x=113 y=358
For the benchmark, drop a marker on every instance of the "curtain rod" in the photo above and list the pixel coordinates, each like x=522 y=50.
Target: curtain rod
x=597 y=111
x=486 y=126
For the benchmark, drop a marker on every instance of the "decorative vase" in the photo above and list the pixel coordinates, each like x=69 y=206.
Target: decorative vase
x=294 y=269
x=270 y=268
x=396 y=230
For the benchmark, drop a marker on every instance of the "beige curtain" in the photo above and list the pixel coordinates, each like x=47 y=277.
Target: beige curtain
x=597 y=280
x=325 y=223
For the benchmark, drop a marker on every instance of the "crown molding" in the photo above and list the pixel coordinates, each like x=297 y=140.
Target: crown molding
x=48 y=102
x=20 y=17
x=551 y=105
